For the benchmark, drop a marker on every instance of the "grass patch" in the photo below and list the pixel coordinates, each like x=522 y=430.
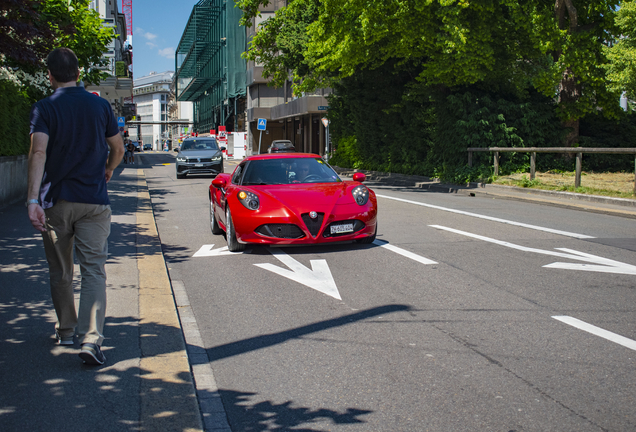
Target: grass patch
x=618 y=185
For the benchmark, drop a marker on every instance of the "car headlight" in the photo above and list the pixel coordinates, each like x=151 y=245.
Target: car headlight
x=181 y=159
x=360 y=194
x=249 y=200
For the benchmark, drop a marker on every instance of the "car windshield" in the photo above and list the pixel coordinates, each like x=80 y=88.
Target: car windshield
x=288 y=171
x=283 y=144
x=199 y=144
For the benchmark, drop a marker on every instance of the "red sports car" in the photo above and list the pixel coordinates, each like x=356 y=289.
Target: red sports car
x=290 y=198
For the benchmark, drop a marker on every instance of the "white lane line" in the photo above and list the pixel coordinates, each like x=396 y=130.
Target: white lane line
x=598 y=264
x=490 y=218
x=582 y=325
x=404 y=253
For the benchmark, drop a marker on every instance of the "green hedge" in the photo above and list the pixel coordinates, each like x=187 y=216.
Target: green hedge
x=15 y=107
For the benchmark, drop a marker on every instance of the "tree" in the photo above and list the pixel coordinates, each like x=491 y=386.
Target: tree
x=621 y=68
x=556 y=47
x=31 y=29
x=576 y=38
x=25 y=38
x=280 y=43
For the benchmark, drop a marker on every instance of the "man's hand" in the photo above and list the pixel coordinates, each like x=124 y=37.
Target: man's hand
x=116 y=144
x=37 y=217
x=37 y=159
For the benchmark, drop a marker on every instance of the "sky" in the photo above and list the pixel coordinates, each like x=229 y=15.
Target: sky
x=157 y=29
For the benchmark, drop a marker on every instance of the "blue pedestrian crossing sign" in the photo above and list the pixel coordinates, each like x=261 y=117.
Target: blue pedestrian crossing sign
x=262 y=124
x=121 y=121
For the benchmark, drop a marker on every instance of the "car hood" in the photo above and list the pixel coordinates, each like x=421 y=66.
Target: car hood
x=303 y=198
x=200 y=153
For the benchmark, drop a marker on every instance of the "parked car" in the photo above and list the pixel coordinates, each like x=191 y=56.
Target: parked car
x=289 y=199
x=281 y=146
x=199 y=155
x=147 y=146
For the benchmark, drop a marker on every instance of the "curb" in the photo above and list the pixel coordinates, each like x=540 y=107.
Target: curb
x=160 y=321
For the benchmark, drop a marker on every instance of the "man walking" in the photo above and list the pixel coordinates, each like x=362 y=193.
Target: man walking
x=69 y=166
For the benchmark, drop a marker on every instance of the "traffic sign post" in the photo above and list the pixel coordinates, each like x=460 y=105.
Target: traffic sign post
x=121 y=121
x=261 y=125
x=325 y=122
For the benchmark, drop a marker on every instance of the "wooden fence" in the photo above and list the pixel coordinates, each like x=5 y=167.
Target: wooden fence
x=533 y=156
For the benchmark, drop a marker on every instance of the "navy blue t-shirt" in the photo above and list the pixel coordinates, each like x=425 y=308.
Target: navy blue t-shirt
x=77 y=123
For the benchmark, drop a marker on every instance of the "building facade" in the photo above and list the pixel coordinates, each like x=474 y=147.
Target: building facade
x=179 y=111
x=210 y=71
x=228 y=91
x=151 y=95
x=119 y=84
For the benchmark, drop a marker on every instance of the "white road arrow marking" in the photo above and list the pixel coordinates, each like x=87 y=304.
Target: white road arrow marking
x=318 y=278
x=403 y=252
x=582 y=325
x=208 y=251
x=600 y=264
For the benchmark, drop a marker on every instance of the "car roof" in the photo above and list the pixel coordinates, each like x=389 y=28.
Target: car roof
x=283 y=156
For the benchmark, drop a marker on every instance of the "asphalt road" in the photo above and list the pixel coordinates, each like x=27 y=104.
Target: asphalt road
x=467 y=314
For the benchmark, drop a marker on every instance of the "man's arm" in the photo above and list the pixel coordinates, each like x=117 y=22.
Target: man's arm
x=37 y=159
x=116 y=144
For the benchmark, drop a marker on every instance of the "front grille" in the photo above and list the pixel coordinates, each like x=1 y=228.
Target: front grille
x=357 y=226
x=199 y=160
x=288 y=231
x=313 y=225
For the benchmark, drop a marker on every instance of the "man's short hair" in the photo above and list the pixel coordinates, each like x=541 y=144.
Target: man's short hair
x=63 y=65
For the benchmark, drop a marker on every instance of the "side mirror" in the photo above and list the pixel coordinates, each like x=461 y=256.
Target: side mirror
x=175 y=149
x=223 y=148
x=219 y=183
x=359 y=177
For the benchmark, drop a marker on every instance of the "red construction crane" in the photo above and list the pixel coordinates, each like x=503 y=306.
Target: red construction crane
x=126 y=8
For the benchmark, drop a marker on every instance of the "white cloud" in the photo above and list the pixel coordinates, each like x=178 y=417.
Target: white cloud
x=145 y=34
x=167 y=52
x=151 y=45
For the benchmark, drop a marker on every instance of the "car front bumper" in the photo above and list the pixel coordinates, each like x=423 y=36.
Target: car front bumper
x=250 y=229
x=200 y=168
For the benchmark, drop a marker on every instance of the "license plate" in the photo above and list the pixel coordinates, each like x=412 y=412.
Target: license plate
x=344 y=228
x=198 y=165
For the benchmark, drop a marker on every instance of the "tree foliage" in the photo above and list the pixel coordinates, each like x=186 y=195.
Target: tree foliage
x=416 y=82
x=280 y=43
x=31 y=29
x=621 y=69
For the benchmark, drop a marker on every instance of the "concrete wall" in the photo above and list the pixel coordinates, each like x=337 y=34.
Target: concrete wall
x=13 y=179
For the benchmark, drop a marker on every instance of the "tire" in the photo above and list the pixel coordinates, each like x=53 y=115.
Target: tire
x=214 y=225
x=370 y=239
x=232 y=243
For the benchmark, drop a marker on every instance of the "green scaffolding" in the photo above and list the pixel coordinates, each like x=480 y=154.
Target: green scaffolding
x=210 y=71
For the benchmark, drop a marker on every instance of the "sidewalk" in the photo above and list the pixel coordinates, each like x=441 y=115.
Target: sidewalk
x=146 y=383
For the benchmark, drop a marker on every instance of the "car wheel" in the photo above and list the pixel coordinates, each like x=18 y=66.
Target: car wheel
x=216 y=229
x=232 y=243
x=370 y=239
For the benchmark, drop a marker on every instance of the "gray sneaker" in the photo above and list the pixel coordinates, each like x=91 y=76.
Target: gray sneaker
x=92 y=354
x=63 y=340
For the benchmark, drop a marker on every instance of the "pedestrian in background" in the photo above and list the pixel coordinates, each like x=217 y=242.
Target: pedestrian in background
x=131 y=152
x=69 y=166
x=126 y=153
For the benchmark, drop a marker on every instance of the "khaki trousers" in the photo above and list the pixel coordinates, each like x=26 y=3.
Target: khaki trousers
x=85 y=226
